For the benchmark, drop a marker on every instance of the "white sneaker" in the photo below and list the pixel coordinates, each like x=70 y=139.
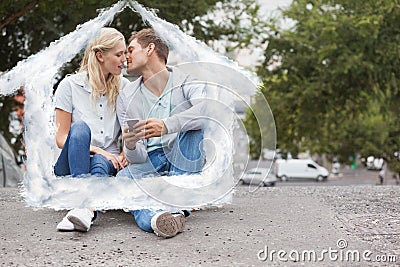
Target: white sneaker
x=167 y=225
x=65 y=225
x=81 y=219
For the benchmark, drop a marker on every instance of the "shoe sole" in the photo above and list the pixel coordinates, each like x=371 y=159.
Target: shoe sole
x=167 y=225
x=65 y=226
x=65 y=229
x=180 y=219
x=78 y=224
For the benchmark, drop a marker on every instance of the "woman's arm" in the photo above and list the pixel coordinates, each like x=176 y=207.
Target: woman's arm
x=63 y=121
x=63 y=124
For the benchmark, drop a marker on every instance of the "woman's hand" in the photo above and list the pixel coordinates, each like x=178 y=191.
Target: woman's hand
x=123 y=159
x=116 y=160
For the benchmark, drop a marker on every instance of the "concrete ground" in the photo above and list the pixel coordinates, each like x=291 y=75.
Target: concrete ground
x=283 y=226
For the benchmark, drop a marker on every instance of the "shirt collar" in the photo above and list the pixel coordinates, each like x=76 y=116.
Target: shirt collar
x=82 y=80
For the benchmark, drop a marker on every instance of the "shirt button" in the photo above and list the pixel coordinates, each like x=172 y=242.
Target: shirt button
x=101 y=132
x=159 y=103
x=101 y=105
x=101 y=118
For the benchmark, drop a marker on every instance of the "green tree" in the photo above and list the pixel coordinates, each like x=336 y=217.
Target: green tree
x=332 y=80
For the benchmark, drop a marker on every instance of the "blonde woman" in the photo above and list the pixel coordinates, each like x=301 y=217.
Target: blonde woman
x=87 y=125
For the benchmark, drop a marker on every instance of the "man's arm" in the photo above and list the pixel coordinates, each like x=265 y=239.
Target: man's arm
x=135 y=152
x=193 y=114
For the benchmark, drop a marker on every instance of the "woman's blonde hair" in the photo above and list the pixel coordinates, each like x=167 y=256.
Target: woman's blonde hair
x=107 y=39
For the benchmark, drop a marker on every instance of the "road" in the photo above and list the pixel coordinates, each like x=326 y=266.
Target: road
x=347 y=176
x=292 y=219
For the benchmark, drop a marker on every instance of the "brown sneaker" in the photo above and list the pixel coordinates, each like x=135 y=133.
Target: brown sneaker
x=167 y=225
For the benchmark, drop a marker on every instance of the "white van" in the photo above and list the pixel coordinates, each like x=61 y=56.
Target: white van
x=300 y=168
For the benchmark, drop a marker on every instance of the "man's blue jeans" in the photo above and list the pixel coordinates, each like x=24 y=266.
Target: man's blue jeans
x=186 y=157
x=75 y=158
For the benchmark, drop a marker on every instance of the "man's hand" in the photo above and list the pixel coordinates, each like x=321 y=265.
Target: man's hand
x=145 y=129
x=130 y=138
x=152 y=127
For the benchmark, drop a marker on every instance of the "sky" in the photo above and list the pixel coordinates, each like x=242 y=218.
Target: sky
x=271 y=5
x=247 y=58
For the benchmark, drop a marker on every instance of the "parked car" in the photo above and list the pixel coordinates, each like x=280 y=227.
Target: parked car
x=259 y=176
x=374 y=163
x=300 y=169
x=10 y=172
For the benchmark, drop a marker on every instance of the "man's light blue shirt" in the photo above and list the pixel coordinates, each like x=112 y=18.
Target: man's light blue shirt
x=157 y=107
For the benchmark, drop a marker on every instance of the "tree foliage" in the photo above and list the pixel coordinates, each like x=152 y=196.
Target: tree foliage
x=332 y=80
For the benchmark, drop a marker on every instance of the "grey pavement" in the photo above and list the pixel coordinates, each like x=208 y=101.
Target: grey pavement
x=295 y=220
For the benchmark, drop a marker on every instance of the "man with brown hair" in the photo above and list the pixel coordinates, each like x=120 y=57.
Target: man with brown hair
x=167 y=138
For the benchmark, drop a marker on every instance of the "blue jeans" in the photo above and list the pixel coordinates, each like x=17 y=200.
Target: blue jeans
x=75 y=158
x=186 y=157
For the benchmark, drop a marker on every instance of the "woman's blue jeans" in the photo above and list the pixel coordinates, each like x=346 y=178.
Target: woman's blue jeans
x=75 y=158
x=186 y=157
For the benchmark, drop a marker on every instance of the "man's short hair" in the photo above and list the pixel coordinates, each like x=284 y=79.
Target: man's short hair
x=146 y=36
